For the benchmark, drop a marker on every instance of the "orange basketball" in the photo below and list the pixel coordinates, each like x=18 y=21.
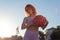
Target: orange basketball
x=40 y=21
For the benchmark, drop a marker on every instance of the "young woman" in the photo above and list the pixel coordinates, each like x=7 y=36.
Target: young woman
x=31 y=29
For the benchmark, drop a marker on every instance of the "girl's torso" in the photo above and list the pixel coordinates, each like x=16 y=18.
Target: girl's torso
x=32 y=27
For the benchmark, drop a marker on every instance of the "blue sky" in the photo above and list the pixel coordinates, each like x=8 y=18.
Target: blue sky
x=13 y=10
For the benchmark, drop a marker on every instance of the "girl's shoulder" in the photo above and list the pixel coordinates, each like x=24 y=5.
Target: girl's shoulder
x=25 y=18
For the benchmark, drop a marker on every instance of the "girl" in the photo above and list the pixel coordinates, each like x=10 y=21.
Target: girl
x=31 y=29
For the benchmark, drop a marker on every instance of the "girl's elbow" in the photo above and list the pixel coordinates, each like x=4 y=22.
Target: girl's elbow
x=22 y=27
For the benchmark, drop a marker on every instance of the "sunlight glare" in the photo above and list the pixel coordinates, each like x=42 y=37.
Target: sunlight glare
x=6 y=27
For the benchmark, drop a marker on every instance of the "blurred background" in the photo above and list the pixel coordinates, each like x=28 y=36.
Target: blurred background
x=12 y=14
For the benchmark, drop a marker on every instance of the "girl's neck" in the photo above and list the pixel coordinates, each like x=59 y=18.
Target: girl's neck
x=32 y=15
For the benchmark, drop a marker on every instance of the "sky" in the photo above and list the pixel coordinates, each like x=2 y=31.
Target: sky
x=12 y=14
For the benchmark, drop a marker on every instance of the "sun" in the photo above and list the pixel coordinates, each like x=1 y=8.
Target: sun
x=6 y=27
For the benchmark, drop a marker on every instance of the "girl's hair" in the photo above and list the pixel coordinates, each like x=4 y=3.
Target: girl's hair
x=28 y=7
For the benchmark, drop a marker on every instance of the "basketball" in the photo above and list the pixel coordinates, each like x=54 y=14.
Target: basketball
x=40 y=21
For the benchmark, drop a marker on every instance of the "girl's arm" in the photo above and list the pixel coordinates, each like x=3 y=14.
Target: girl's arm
x=25 y=24
x=45 y=25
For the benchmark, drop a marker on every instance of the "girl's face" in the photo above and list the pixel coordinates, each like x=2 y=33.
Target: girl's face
x=31 y=12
